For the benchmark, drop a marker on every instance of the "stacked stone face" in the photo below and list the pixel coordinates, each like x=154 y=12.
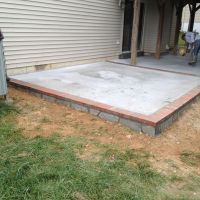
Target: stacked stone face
x=3 y=85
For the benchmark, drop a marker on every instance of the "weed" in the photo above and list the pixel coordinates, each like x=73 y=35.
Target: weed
x=6 y=109
x=174 y=178
x=191 y=158
x=45 y=120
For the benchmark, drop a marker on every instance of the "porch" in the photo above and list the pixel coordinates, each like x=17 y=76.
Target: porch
x=171 y=63
x=162 y=27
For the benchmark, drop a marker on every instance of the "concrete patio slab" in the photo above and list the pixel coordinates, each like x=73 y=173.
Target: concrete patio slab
x=145 y=100
x=167 y=62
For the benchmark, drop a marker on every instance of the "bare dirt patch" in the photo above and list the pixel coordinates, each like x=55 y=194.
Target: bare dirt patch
x=41 y=118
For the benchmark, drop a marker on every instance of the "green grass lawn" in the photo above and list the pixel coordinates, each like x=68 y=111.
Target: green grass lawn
x=57 y=168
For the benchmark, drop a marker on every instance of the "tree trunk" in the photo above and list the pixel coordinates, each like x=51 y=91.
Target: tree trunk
x=192 y=19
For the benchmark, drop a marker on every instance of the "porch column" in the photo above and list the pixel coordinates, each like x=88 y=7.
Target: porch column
x=192 y=8
x=161 y=10
x=178 y=28
x=135 y=28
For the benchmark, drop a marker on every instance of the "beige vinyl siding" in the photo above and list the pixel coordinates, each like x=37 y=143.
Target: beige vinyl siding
x=197 y=17
x=54 y=32
x=151 y=27
x=186 y=15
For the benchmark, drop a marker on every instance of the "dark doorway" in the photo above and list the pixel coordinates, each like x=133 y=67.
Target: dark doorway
x=128 y=22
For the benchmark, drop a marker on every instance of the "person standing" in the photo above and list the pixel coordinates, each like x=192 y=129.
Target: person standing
x=193 y=41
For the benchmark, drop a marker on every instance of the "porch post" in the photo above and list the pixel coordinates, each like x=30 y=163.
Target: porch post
x=178 y=27
x=135 y=28
x=161 y=10
x=192 y=16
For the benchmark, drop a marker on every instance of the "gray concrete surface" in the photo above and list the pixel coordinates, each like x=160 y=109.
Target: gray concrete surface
x=139 y=90
x=167 y=62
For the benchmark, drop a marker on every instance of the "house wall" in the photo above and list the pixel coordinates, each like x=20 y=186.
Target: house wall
x=43 y=34
x=151 y=27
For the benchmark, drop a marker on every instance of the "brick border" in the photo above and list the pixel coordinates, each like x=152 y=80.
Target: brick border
x=150 y=124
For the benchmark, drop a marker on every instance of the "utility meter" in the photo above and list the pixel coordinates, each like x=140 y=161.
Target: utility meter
x=3 y=84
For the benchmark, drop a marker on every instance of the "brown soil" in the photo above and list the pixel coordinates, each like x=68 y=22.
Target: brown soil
x=39 y=117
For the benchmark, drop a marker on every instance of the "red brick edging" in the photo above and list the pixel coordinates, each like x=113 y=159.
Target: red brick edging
x=154 y=120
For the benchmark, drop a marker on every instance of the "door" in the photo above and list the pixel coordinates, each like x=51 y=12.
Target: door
x=128 y=23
